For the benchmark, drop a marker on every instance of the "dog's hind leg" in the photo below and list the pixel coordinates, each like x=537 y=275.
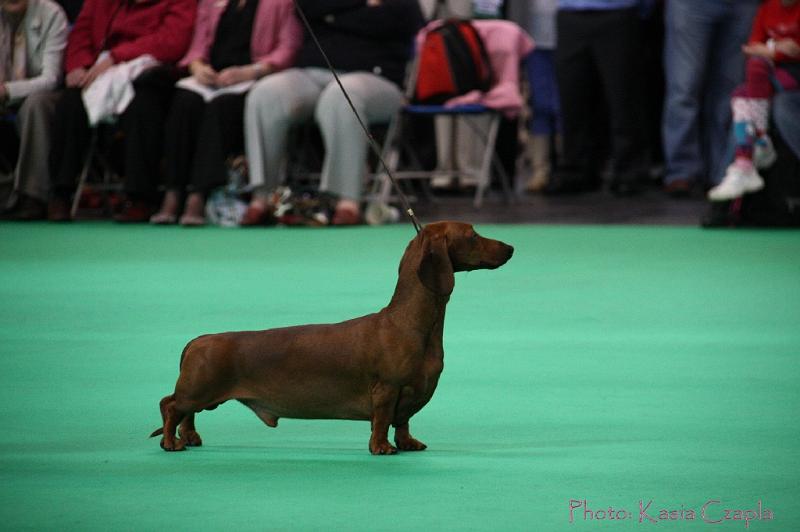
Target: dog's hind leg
x=172 y=418
x=187 y=432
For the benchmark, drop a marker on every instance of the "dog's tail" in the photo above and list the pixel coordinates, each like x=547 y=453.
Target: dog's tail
x=157 y=432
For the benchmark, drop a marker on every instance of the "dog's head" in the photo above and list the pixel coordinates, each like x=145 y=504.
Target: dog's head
x=449 y=247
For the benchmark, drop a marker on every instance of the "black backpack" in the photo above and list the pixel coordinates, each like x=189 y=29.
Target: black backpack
x=452 y=61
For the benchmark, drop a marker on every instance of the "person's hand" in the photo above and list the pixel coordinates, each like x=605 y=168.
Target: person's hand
x=203 y=73
x=235 y=74
x=373 y=3
x=788 y=47
x=97 y=69
x=757 y=49
x=76 y=77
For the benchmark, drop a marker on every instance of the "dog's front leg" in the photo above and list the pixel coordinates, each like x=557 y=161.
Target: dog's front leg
x=384 y=402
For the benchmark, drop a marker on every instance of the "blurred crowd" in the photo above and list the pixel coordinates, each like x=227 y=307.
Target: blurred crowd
x=618 y=93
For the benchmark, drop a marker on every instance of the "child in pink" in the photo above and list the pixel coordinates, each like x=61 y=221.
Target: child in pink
x=773 y=64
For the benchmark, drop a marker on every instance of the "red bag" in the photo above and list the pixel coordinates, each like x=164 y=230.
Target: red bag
x=452 y=61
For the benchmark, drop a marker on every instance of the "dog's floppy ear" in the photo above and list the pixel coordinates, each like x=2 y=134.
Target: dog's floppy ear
x=435 y=269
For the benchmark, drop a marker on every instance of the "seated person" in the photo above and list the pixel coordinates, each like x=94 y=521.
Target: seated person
x=235 y=43
x=33 y=34
x=773 y=58
x=111 y=44
x=369 y=44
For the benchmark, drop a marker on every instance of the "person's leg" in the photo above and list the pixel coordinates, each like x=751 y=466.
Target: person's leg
x=180 y=142
x=70 y=140
x=578 y=92
x=220 y=134
x=376 y=100
x=618 y=60
x=689 y=27
x=272 y=106
x=786 y=110
x=143 y=126
x=544 y=120
x=750 y=110
x=9 y=148
x=725 y=70
x=34 y=124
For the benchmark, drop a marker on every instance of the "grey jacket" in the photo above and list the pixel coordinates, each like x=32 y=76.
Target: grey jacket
x=538 y=17
x=45 y=26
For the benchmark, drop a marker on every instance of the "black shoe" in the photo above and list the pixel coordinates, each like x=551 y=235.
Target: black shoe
x=624 y=189
x=561 y=187
x=678 y=188
x=27 y=209
x=8 y=213
x=566 y=182
x=720 y=214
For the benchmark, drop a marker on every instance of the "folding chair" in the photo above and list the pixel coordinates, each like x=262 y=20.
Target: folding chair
x=97 y=161
x=506 y=58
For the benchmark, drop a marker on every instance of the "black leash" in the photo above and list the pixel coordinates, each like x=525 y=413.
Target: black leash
x=372 y=142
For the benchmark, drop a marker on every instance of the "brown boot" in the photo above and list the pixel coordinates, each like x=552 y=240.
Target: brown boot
x=539 y=146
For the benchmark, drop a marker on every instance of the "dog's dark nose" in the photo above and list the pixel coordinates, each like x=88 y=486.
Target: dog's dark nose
x=509 y=251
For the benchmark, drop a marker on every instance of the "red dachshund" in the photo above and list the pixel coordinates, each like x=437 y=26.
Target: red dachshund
x=382 y=367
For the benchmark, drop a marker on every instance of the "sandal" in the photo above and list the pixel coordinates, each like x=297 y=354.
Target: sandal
x=191 y=220
x=193 y=211
x=163 y=218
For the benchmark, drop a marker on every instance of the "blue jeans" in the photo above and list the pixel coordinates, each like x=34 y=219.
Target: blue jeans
x=540 y=67
x=703 y=63
x=786 y=113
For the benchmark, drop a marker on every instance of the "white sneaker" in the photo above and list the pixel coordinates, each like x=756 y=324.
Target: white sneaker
x=739 y=179
x=764 y=154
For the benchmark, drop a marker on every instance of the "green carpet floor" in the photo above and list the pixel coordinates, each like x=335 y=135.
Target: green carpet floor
x=615 y=365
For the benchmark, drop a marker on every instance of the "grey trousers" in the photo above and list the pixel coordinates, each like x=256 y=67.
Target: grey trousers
x=294 y=96
x=34 y=124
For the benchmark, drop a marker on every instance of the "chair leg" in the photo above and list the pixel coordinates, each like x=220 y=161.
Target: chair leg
x=382 y=185
x=505 y=182
x=84 y=173
x=485 y=177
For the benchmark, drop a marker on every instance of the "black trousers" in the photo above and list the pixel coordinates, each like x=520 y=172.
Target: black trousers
x=598 y=66
x=142 y=124
x=9 y=144
x=199 y=137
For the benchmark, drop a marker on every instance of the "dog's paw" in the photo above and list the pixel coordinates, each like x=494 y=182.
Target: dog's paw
x=175 y=445
x=382 y=448
x=410 y=444
x=192 y=439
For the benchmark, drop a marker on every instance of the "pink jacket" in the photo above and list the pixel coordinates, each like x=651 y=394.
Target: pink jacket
x=277 y=34
x=507 y=45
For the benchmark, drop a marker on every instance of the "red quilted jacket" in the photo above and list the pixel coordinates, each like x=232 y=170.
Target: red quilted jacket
x=129 y=29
